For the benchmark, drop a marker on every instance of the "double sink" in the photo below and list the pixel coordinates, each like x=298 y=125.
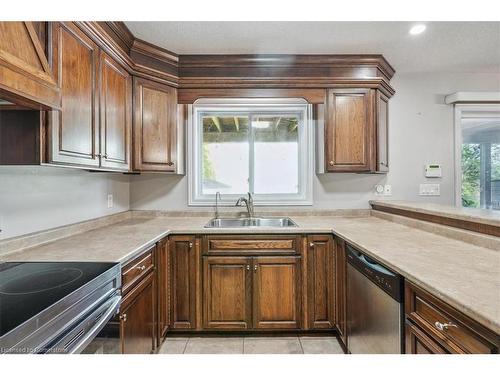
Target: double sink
x=280 y=222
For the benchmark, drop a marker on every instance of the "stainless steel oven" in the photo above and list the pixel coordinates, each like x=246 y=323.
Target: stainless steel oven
x=56 y=307
x=375 y=321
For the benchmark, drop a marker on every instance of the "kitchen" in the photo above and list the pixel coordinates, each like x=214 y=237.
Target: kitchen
x=180 y=188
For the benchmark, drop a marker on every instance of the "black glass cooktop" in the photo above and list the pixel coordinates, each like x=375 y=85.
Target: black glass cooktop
x=28 y=288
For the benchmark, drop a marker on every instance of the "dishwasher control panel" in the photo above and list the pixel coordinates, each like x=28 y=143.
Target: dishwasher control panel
x=390 y=282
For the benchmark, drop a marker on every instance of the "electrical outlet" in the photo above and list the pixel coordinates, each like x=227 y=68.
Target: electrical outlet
x=387 y=190
x=429 y=189
x=110 y=200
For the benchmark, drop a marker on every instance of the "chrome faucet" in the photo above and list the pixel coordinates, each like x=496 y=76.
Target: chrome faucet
x=217 y=199
x=248 y=203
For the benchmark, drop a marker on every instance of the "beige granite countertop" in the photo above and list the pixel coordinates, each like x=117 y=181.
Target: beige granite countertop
x=464 y=275
x=476 y=215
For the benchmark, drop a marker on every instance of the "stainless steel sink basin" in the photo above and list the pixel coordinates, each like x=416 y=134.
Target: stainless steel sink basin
x=246 y=222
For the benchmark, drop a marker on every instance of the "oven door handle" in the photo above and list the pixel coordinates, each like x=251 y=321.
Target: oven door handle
x=80 y=344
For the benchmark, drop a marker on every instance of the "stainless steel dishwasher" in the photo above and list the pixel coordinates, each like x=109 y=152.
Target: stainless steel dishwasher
x=375 y=320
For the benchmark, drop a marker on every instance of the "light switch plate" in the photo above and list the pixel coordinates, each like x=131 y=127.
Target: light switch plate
x=429 y=189
x=110 y=200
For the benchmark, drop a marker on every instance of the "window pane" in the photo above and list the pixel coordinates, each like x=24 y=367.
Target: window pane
x=481 y=163
x=225 y=154
x=276 y=154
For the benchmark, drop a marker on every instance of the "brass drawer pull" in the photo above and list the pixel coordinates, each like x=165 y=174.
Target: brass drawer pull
x=444 y=326
x=248 y=267
x=141 y=268
x=123 y=317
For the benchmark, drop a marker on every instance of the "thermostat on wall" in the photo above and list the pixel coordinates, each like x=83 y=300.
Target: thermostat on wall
x=433 y=170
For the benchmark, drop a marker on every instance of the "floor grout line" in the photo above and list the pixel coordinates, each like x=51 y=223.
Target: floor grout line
x=300 y=343
x=185 y=346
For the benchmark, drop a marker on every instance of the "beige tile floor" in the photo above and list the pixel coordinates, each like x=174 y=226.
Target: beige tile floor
x=290 y=344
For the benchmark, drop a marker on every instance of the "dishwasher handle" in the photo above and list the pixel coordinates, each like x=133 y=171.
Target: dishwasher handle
x=390 y=282
x=369 y=262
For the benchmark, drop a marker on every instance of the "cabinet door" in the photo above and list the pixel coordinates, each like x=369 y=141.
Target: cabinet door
x=382 y=132
x=320 y=282
x=116 y=114
x=349 y=131
x=276 y=292
x=183 y=280
x=163 y=285
x=155 y=120
x=340 y=289
x=227 y=298
x=73 y=131
x=417 y=342
x=137 y=318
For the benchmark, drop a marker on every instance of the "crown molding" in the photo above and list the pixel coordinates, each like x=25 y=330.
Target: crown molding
x=147 y=60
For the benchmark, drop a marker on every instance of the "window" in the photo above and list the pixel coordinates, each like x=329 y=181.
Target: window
x=478 y=147
x=257 y=146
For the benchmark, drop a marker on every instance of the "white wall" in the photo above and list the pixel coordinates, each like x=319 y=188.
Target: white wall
x=421 y=131
x=37 y=198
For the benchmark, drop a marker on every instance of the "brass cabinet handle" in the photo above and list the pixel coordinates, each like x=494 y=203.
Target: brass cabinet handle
x=311 y=244
x=123 y=317
x=255 y=268
x=444 y=326
x=190 y=245
x=141 y=268
x=331 y=162
x=248 y=267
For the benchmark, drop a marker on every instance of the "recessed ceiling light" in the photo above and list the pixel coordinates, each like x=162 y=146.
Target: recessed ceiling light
x=417 y=29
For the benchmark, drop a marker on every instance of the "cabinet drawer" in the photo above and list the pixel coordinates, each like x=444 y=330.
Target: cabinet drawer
x=463 y=335
x=136 y=269
x=249 y=245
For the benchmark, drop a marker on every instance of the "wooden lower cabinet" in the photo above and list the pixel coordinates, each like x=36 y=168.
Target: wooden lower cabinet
x=340 y=290
x=163 y=285
x=435 y=326
x=276 y=292
x=417 y=342
x=183 y=257
x=320 y=282
x=242 y=293
x=137 y=318
x=227 y=293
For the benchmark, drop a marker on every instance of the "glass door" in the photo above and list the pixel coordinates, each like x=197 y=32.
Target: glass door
x=480 y=157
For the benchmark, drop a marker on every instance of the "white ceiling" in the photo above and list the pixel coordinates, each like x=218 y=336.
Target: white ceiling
x=444 y=46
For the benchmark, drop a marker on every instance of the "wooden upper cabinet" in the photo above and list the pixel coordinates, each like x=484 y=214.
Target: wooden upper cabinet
x=155 y=127
x=183 y=258
x=276 y=292
x=321 y=282
x=227 y=298
x=74 y=130
x=349 y=131
x=115 y=115
x=382 y=118
x=26 y=77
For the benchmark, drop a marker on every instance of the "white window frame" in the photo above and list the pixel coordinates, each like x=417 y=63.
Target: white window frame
x=464 y=111
x=306 y=150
